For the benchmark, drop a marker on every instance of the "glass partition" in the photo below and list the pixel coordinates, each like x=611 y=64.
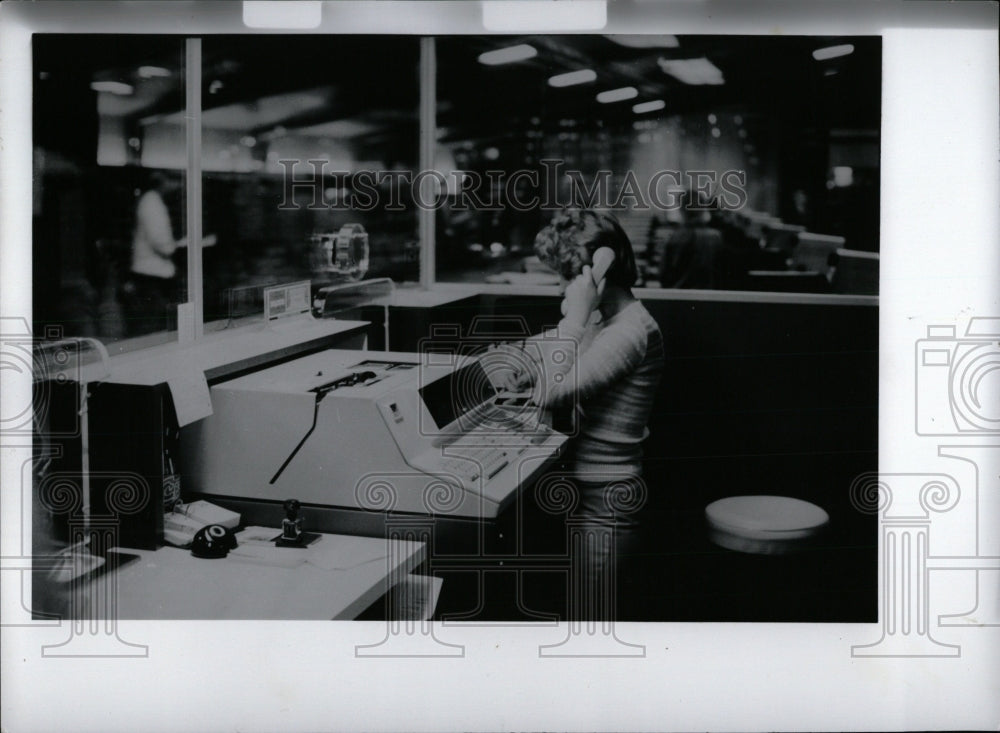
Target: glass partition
x=301 y=137
x=735 y=163
x=108 y=210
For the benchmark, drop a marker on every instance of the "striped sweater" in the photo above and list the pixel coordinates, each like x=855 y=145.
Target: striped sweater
x=611 y=378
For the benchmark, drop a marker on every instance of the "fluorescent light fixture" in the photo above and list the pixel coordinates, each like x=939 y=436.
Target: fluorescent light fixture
x=537 y=15
x=832 y=52
x=508 y=55
x=274 y=14
x=583 y=76
x=153 y=72
x=692 y=71
x=617 y=95
x=114 y=87
x=652 y=106
x=643 y=40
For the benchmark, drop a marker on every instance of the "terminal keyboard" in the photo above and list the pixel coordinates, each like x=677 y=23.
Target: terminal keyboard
x=482 y=454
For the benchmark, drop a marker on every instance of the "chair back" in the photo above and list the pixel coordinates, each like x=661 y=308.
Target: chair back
x=812 y=252
x=855 y=272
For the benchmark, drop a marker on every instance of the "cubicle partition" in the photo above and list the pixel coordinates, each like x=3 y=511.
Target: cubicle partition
x=760 y=395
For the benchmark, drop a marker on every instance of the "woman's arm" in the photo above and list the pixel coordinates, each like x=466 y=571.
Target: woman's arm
x=615 y=352
x=154 y=221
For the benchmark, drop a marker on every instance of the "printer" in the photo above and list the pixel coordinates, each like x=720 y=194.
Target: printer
x=426 y=433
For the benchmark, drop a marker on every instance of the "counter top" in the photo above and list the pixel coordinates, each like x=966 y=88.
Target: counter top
x=227 y=351
x=170 y=583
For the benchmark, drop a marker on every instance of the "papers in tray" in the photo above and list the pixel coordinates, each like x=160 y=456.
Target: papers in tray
x=180 y=526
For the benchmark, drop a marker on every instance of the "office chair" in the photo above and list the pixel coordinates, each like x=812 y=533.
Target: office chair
x=812 y=252
x=855 y=272
x=809 y=267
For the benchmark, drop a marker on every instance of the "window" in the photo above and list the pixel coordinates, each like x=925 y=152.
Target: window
x=105 y=257
x=291 y=153
x=720 y=155
x=734 y=163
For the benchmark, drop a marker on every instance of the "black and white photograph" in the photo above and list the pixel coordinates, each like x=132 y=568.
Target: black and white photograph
x=340 y=348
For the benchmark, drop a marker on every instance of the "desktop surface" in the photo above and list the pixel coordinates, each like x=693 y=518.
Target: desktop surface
x=335 y=578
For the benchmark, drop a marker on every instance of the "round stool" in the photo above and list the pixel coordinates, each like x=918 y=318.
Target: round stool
x=764 y=525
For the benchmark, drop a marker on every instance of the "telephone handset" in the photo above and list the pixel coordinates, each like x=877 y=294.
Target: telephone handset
x=602 y=260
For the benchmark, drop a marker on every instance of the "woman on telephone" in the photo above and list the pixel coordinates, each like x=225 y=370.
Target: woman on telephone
x=609 y=379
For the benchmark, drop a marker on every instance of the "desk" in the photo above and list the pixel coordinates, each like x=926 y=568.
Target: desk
x=172 y=584
x=133 y=421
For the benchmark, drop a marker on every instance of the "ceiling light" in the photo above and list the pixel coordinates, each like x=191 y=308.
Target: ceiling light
x=507 y=55
x=843 y=176
x=832 y=52
x=649 y=106
x=152 y=72
x=114 y=87
x=644 y=40
x=692 y=71
x=583 y=76
x=617 y=95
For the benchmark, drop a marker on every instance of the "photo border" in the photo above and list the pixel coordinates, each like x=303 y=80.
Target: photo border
x=939 y=229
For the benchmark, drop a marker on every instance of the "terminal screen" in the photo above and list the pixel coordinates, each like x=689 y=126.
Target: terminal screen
x=452 y=396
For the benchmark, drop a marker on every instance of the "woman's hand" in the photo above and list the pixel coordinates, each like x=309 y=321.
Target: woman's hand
x=514 y=381
x=508 y=366
x=582 y=297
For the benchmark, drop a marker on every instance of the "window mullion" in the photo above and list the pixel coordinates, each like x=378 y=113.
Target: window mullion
x=195 y=291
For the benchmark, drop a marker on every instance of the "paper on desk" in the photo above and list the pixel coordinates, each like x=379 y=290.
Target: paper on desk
x=338 y=552
x=189 y=391
x=260 y=554
x=258 y=535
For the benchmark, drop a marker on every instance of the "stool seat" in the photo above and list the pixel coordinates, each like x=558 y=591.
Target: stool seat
x=766 y=525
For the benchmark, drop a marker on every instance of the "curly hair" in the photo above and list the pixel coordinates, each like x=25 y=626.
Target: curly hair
x=571 y=238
